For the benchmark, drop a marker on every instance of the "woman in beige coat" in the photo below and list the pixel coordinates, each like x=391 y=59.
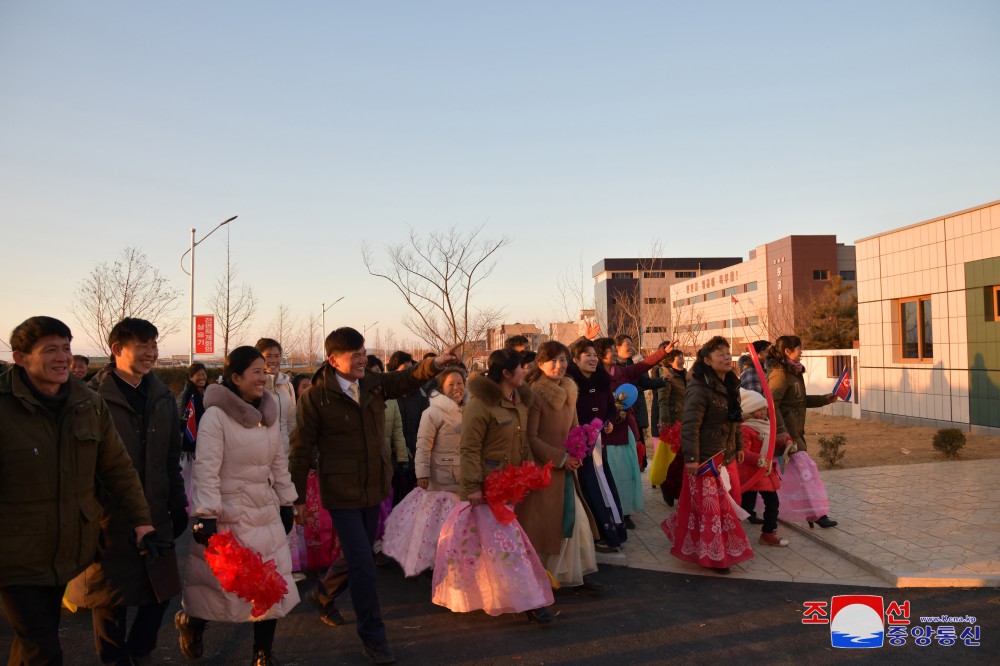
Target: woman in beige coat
x=240 y=485
x=554 y=518
x=414 y=526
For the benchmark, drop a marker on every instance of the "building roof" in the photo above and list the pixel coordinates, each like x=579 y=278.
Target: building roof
x=936 y=219
x=521 y=329
x=664 y=264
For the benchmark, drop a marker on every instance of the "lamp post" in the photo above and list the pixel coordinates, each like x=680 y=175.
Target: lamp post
x=194 y=244
x=322 y=315
x=365 y=331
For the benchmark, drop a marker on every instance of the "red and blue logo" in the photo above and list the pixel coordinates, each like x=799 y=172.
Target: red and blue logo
x=857 y=621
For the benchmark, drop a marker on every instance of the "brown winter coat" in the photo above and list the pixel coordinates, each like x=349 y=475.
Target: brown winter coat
x=788 y=388
x=705 y=426
x=550 y=418
x=494 y=433
x=241 y=479
x=120 y=576
x=439 y=441
x=671 y=396
x=49 y=469
x=355 y=464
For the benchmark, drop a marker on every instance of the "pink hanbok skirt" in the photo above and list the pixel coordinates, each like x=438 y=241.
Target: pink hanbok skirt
x=321 y=542
x=413 y=527
x=705 y=528
x=802 y=494
x=483 y=564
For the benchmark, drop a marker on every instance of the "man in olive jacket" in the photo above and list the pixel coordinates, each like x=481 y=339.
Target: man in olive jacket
x=145 y=415
x=57 y=442
x=342 y=416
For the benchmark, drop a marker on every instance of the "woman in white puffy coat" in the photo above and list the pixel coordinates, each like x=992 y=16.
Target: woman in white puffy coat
x=241 y=485
x=413 y=527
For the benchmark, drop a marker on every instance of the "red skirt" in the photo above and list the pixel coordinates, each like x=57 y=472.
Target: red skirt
x=705 y=529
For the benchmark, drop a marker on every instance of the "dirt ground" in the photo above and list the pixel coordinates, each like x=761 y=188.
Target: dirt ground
x=870 y=443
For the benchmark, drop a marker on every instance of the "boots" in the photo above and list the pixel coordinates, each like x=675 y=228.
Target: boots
x=263 y=658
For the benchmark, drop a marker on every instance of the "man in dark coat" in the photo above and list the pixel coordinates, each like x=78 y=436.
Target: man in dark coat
x=145 y=416
x=58 y=444
x=342 y=416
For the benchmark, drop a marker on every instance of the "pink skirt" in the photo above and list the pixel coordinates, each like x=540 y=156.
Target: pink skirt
x=321 y=542
x=705 y=529
x=483 y=564
x=802 y=495
x=413 y=527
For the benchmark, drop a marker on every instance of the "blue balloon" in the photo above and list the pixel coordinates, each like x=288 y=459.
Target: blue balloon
x=626 y=395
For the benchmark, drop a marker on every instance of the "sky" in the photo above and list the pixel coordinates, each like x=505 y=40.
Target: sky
x=582 y=130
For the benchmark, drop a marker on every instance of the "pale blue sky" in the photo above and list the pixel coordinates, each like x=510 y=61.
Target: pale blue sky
x=579 y=128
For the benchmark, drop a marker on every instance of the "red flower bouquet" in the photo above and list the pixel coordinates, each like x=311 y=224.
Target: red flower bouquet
x=244 y=572
x=507 y=486
x=581 y=439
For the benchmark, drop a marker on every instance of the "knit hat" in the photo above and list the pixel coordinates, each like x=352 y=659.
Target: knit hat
x=751 y=401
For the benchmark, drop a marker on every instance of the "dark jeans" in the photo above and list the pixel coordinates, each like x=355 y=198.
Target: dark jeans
x=33 y=614
x=114 y=646
x=748 y=501
x=355 y=568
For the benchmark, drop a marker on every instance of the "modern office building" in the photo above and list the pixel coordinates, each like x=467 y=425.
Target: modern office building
x=762 y=297
x=632 y=295
x=929 y=318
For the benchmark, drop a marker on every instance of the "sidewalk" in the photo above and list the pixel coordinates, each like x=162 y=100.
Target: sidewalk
x=927 y=525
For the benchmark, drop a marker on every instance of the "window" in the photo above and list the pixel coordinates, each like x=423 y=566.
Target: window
x=849 y=275
x=697 y=299
x=821 y=274
x=916 y=335
x=712 y=295
x=753 y=321
x=621 y=276
x=651 y=300
x=654 y=275
x=685 y=274
x=835 y=365
x=680 y=303
x=656 y=329
x=731 y=291
x=750 y=286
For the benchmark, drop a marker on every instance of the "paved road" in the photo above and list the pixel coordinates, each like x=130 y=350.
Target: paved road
x=647 y=617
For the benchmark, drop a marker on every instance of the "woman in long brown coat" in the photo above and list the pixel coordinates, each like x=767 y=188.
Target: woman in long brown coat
x=555 y=520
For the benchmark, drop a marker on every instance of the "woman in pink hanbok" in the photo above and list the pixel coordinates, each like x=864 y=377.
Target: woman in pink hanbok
x=413 y=527
x=483 y=563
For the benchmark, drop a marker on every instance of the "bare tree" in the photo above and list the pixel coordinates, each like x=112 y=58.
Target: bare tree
x=129 y=287
x=233 y=305
x=437 y=276
x=643 y=314
x=574 y=291
x=283 y=328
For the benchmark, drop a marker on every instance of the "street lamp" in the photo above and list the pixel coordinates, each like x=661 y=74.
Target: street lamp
x=322 y=314
x=194 y=243
x=365 y=331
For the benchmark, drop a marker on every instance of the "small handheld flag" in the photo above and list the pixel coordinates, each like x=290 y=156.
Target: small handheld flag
x=190 y=425
x=843 y=388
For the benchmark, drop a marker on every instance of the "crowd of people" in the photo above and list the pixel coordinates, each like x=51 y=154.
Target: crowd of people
x=360 y=464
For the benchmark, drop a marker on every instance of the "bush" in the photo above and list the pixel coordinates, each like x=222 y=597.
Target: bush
x=949 y=441
x=830 y=450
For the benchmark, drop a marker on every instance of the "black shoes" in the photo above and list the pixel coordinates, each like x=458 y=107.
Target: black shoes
x=825 y=522
x=629 y=525
x=722 y=571
x=590 y=584
x=602 y=547
x=754 y=519
x=379 y=653
x=189 y=635
x=263 y=658
x=328 y=613
x=542 y=616
x=669 y=501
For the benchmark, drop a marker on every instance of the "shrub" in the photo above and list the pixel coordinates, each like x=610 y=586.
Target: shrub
x=949 y=441
x=830 y=449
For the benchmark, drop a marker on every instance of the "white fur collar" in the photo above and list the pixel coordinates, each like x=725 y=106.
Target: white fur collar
x=238 y=409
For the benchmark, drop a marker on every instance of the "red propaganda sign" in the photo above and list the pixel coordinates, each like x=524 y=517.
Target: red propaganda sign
x=204 y=334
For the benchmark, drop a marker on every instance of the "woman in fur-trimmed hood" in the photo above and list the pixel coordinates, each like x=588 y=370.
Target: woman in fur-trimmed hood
x=241 y=485
x=555 y=518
